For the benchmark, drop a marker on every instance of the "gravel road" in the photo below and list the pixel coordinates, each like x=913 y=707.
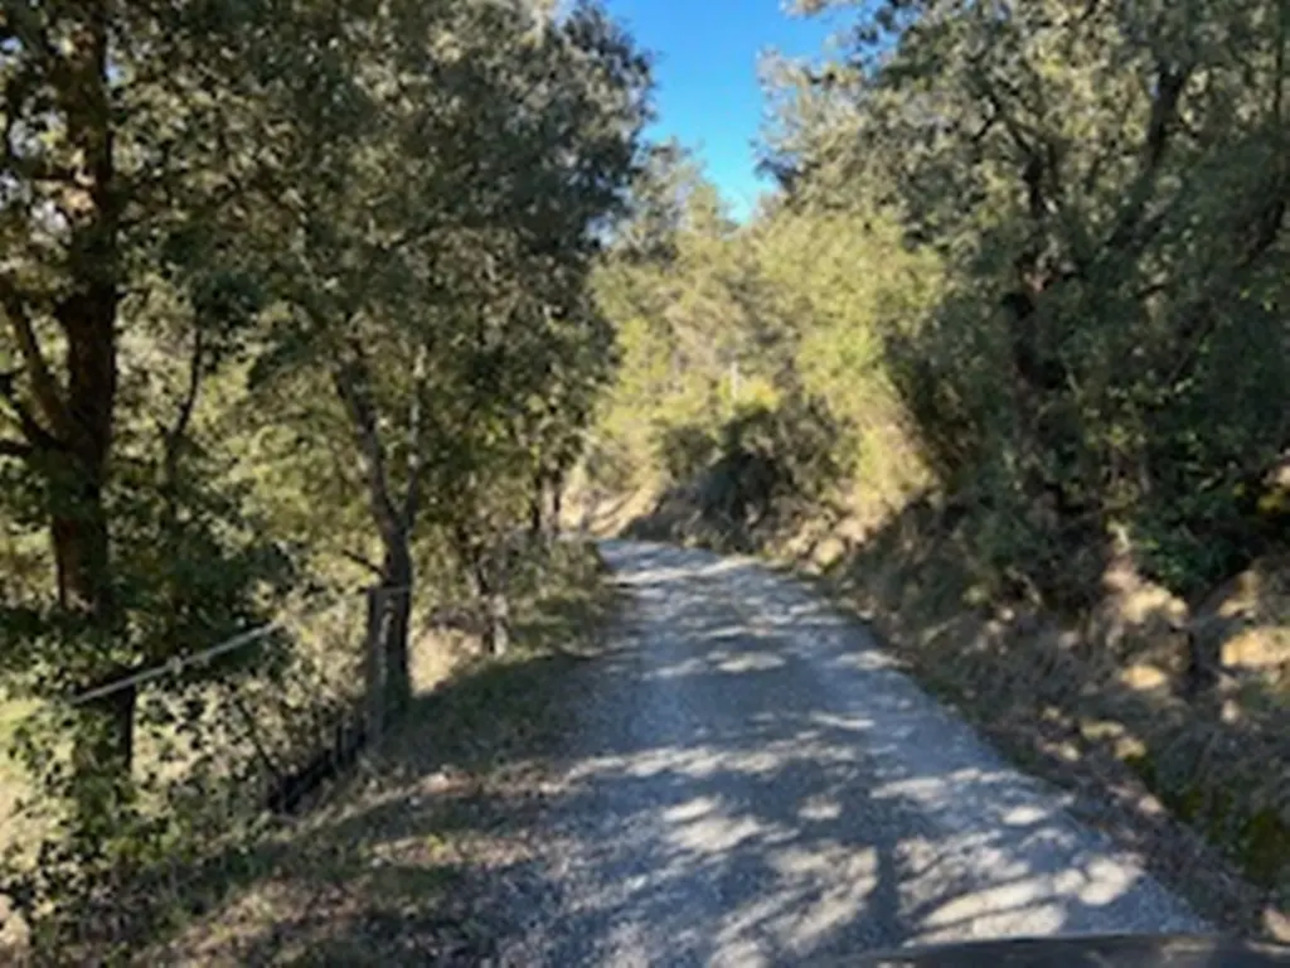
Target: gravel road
x=753 y=782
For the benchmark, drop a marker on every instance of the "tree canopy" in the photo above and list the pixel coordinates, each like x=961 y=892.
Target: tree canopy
x=1051 y=234
x=293 y=295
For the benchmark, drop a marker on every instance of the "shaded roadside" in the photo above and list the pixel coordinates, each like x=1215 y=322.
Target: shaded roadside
x=1198 y=790
x=385 y=866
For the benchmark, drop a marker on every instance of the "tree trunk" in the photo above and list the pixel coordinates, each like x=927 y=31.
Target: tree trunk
x=396 y=590
x=352 y=380
x=1203 y=673
x=490 y=592
x=83 y=422
x=496 y=611
x=557 y=502
x=537 y=494
x=499 y=625
x=79 y=534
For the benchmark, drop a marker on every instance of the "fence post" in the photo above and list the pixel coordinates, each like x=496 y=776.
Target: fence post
x=375 y=664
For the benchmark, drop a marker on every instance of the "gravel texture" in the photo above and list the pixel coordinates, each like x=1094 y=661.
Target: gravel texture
x=751 y=781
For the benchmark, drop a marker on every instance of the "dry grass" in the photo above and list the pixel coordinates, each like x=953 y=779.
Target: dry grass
x=12 y=783
x=13 y=787
x=16 y=825
x=1256 y=604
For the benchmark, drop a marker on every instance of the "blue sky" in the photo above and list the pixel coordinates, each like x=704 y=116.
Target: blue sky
x=706 y=70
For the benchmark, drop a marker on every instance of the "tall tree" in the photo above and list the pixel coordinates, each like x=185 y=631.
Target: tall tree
x=447 y=218
x=119 y=131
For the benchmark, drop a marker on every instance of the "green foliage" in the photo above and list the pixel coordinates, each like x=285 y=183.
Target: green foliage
x=294 y=297
x=685 y=451
x=1107 y=187
x=777 y=462
x=1036 y=256
x=729 y=329
x=763 y=471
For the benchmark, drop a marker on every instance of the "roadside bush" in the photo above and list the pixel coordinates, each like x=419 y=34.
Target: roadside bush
x=685 y=450
x=764 y=469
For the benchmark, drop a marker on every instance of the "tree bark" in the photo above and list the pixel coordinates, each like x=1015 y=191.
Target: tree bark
x=537 y=494
x=396 y=589
x=352 y=380
x=81 y=422
x=557 y=502
x=492 y=594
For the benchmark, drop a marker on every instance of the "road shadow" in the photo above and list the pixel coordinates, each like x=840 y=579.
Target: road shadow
x=809 y=845
x=731 y=783
x=1100 y=704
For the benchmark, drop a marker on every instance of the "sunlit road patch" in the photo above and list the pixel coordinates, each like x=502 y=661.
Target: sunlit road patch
x=753 y=782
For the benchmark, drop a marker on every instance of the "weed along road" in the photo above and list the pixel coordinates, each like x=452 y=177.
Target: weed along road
x=752 y=782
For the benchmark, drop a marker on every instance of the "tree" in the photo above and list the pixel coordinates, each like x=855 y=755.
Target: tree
x=121 y=131
x=1109 y=186
x=449 y=218
x=394 y=205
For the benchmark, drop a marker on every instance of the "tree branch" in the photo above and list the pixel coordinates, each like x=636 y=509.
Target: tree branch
x=1201 y=320
x=361 y=560
x=36 y=435
x=189 y=402
x=173 y=437
x=45 y=389
x=1170 y=82
x=412 y=499
x=1267 y=223
x=351 y=378
x=15 y=448
x=1040 y=169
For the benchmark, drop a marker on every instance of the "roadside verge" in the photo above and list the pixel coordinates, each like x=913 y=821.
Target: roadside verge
x=412 y=858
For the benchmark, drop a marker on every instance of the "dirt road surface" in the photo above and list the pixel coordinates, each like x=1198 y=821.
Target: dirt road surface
x=752 y=782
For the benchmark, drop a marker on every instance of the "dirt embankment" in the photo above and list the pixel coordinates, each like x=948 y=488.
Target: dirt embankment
x=1103 y=702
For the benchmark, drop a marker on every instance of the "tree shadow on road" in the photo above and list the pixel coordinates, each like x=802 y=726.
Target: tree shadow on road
x=740 y=791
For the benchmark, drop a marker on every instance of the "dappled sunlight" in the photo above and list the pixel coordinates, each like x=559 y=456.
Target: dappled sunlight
x=766 y=785
x=745 y=780
x=657 y=577
x=703 y=827
x=820 y=808
x=751 y=662
x=720 y=662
